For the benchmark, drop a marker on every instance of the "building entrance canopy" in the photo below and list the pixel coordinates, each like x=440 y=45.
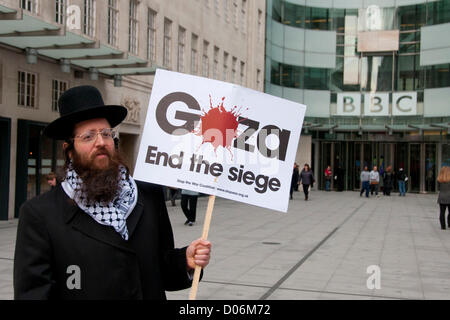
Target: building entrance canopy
x=37 y=37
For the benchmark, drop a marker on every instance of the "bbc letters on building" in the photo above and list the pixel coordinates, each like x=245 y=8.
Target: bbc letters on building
x=377 y=104
x=218 y=138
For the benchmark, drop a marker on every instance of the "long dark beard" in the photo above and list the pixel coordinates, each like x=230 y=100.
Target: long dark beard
x=99 y=185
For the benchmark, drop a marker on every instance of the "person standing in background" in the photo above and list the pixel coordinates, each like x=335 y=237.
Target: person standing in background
x=51 y=179
x=294 y=181
x=388 y=181
x=365 y=181
x=296 y=173
x=444 y=195
x=402 y=178
x=328 y=176
x=307 y=179
x=339 y=174
x=189 y=205
x=374 y=181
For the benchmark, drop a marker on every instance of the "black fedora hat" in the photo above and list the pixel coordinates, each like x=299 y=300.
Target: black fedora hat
x=82 y=103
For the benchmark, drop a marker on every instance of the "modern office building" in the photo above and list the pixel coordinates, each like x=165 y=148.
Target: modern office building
x=48 y=46
x=375 y=76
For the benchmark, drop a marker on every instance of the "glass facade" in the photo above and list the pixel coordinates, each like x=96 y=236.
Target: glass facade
x=385 y=71
x=379 y=58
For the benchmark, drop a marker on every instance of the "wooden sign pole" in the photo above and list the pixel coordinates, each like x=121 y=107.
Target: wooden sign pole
x=198 y=269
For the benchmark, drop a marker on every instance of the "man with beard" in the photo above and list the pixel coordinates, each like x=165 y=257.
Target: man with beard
x=99 y=234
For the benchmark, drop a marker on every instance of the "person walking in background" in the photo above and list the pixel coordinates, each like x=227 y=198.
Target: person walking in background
x=339 y=175
x=402 y=178
x=307 y=179
x=444 y=195
x=388 y=181
x=294 y=181
x=365 y=181
x=374 y=181
x=328 y=176
x=189 y=205
x=296 y=173
x=173 y=195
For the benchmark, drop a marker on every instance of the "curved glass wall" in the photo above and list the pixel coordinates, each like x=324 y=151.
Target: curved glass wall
x=308 y=17
x=356 y=69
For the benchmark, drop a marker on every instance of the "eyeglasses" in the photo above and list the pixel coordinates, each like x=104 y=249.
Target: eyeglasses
x=91 y=135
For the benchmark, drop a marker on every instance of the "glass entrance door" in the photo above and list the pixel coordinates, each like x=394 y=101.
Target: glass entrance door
x=357 y=165
x=430 y=167
x=5 y=144
x=414 y=168
x=37 y=156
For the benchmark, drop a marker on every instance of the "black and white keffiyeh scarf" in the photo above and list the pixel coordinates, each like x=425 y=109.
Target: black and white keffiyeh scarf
x=114 y=213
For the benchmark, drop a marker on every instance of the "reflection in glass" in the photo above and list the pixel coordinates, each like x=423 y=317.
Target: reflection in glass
x=414 y=168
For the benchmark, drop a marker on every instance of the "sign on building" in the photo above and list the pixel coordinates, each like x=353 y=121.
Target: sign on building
x=377 y=104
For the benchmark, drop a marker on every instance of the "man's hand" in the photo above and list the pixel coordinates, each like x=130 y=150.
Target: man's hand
x=198 y=253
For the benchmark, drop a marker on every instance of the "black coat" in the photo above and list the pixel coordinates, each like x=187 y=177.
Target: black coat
x=444 y=193
x=388 y=180
x=295 y=176
x=306 y=177
x=53 y=234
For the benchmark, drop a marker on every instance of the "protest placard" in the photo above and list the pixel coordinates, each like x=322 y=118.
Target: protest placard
x=220 y=139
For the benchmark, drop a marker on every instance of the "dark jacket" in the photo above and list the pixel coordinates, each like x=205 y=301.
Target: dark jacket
x=444 y=193
x=307 y=177
x=53 y=234
x=388 y=180
x=401 y=175
x=295 y=176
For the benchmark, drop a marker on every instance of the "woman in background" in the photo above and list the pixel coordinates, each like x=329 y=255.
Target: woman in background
x=388 y=181
x=444 y=195
x=307 y=179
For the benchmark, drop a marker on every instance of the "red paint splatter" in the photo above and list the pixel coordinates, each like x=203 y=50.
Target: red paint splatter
x=219 y=126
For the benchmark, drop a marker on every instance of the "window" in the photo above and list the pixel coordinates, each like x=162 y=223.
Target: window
x=181 y=46
x=216 y=63
x=133 y=28
x=58 y=87
x=26 y=93
x=226 y=10
x=244 y=16
x=258 y=79
x=205 y=60
x=233 y=70
x=194 y=54
x=112 y=22
x=167 y=42
x=242 y=73
x=29 y=5
x=225 y=66
x=235 y=14
x=260 y=26
x=60 y=10
x=89 y=18
x=151 y=35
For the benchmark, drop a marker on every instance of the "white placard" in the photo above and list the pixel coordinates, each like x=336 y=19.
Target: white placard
x=221 y=139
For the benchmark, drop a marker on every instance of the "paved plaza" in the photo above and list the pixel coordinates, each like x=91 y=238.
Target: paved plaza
x=320 y=249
